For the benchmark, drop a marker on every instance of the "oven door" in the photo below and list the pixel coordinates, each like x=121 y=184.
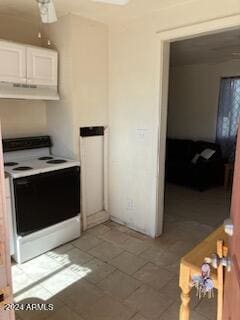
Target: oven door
x=45 y=199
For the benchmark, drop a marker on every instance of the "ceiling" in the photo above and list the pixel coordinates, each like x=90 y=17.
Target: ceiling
x=106 y=13
x=214 y=48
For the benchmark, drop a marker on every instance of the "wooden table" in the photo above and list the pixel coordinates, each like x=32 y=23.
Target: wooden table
x=191 y=263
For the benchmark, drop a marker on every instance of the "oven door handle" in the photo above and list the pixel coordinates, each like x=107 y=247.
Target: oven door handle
x=23 y=182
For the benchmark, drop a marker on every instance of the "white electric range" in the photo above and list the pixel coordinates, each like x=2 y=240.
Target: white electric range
x=45 y=194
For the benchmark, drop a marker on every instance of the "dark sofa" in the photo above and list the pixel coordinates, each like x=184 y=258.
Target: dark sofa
x=201 y=175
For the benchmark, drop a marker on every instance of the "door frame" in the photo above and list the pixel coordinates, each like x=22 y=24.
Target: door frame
x=6 y=267
x=164 y=38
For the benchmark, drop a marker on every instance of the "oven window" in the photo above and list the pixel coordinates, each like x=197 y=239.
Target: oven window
x=46 y=199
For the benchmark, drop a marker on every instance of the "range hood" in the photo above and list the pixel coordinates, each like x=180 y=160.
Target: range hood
x=26 y=91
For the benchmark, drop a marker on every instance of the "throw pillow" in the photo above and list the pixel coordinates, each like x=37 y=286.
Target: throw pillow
x=207 y=153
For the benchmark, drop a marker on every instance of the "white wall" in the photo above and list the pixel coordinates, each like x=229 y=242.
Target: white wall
x=60 y=113
x=19 y=117
x=193 y=99
x=17 y=29
x=90 y=74
x=133 y=113
x=134 y=104
x=83 y=53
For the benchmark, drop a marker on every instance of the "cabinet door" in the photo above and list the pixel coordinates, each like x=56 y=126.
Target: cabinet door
x=12 y=62
x=42 y=66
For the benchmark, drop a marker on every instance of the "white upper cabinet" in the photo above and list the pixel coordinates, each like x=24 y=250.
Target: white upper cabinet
x=31 y=65
x=12 y=62
x=42 y=66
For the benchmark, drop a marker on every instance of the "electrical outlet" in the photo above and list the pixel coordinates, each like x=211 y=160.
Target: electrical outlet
x=141 y=133
x=130 y=205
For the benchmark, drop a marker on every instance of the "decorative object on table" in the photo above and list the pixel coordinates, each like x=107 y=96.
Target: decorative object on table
x=203 y=283
x=189 y=267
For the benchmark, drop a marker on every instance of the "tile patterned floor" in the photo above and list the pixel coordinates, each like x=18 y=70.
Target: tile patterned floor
x=114 y=273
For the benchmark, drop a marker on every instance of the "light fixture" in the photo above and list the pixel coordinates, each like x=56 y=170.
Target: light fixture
x=47 y=11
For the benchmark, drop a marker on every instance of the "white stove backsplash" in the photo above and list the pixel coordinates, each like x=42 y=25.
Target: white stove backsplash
x=25 y=154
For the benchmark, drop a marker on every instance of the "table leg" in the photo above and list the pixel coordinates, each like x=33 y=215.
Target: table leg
x=220 y=276
x=184 y=283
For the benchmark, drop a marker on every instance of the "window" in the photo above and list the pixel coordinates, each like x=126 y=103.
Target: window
x=228 y=116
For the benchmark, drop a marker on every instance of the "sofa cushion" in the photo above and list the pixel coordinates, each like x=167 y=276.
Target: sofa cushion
x=180 y=150
x=181 y=170
x=207 y=153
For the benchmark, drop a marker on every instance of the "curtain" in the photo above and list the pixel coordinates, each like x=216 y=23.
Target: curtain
x=228 y=116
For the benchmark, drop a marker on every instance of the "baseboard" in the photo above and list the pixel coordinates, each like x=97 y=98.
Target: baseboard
x=97 y=218
x=114 y=219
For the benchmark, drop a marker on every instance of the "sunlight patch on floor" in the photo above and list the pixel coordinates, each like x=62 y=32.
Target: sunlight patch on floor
x=42 y=281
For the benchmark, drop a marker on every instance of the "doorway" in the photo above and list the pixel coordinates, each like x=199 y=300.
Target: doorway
x=166 y=37
x=203 y=117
